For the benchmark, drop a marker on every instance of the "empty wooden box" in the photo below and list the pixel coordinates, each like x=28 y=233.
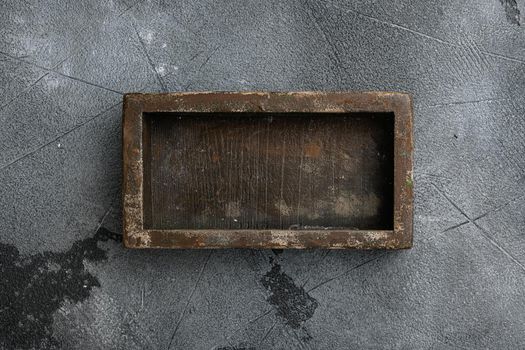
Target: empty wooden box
x=268 y=170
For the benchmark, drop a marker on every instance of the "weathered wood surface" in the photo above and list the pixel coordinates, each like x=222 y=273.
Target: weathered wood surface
x=270 y=171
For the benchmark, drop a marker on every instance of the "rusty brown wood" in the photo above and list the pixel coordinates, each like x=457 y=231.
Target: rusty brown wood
x=149 y=221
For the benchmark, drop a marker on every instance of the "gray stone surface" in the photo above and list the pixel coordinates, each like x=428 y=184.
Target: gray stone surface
x=66 y=280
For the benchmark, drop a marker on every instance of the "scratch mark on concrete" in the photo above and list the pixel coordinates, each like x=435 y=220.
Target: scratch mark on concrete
x=484 y=63
x=150 y=61
x=52 y=70
x=334 y=56
x=194 y=56
x=208 y=58
x=253 y=320
x=423 y=35
x=495 y=210
x=417 y=175
x=259 y=317
x=315 y=263
x=499 y=247
x=202 y=65
x=88 y=82
x=267 y=333
x=484 y=233
x=130 y=7
x=101 y=222
x=23 y=91
x=467 y=102
x=346 y=272
x=57 y=138
x=455 y=226
x=179 y=322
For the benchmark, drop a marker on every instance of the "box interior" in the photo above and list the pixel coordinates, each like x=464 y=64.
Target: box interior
x=268 y=171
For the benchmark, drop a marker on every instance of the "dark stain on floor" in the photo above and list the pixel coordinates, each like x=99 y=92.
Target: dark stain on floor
x=33 y=287
x=511 y=11
x=292 y=302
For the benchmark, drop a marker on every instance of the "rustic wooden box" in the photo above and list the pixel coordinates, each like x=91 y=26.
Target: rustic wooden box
x=268 y=170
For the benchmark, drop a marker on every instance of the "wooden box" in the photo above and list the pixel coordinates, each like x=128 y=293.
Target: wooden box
x=268 y=170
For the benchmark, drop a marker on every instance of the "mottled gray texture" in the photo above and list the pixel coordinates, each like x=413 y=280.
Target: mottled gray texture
x=63 y=68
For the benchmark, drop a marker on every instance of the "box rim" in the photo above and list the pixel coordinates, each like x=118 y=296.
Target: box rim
x=136 y=104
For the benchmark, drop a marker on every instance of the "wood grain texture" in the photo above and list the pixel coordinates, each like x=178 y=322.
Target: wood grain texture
x=270 y=171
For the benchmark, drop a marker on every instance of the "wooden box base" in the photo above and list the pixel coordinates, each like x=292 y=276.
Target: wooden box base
x=268 y=170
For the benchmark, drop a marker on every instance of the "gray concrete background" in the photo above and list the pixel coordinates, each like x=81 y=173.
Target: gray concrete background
x=66 y=280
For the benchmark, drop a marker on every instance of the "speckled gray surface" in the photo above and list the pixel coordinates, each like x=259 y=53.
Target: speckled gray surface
x=66 y=280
